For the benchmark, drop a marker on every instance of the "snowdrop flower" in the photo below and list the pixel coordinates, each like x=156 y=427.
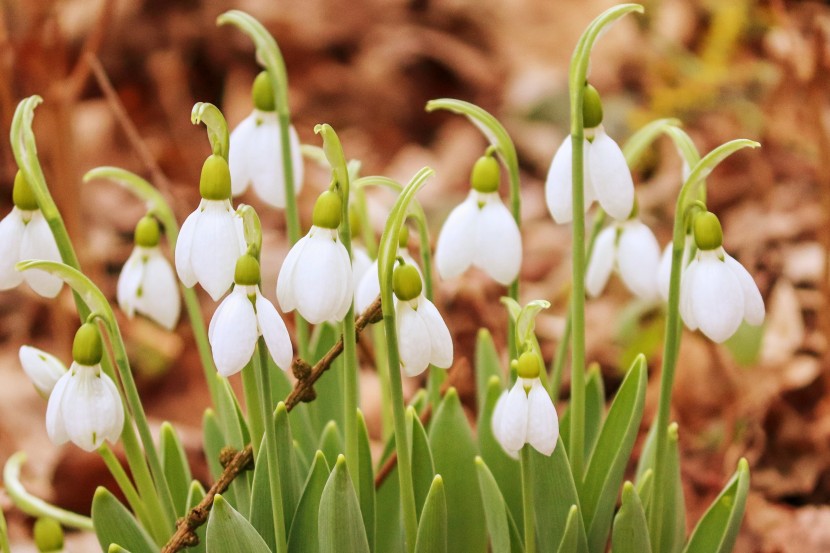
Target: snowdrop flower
x=631 y=250
x=526 y=414
x=316 y=276
x=423 y=336
x=211 y=239
x=717 y=292
x=25 y=234
x=481 y=231
x=256 y=150
x=664 y=270
x=147 y=284
x=43 y=369
x=606 y=175
x=242 y=318
x=85 y=406
x=368 y=287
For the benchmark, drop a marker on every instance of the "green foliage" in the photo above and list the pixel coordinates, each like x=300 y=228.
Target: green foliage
x=175 y=465
x=717 y=530
x=230 y=532
x=432 y=528
x=115 y=524
x=504 y=536
x=303 y=535
x=340 y=524
x=630 y=533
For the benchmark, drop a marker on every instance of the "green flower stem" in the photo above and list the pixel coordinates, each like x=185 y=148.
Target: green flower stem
x=386 y=262
x=4 y=535
x=257 y=420
x=527 y=501
x=671 y=345
x=158 y=206
x=260 y=369
x=576 y=84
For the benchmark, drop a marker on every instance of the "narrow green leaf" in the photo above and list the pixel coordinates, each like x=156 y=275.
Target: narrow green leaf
x=175 y=465
x=487 y=365
x=229 y=415
x=594 y=407
x=630 y=533
x=367 y=480
x=432 y=528
x=115 y=548
x=331 y=443
x=454 y=455
x=229 y=532
x=644 y=488
x=340 y=524
x=194 y=496
x=213 y=442
x=674 y=518
x=570 y=538
x=606 y=467
x=302 y=537
x=115 y=524
x=718 y=529
x=329 y=388
x=423 y=467
x=260 y=514
x=646 y=461
x=495 y=511
x=291 y=485
x=302 y=463
x=389 y=537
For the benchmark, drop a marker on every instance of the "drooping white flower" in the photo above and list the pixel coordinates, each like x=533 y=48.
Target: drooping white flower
x=211 y=240
x=664 y=270
x=25 y=234
x=630 y=249
x=368 y=287
x=42 y=368
x=526 y=416
x=361 y=263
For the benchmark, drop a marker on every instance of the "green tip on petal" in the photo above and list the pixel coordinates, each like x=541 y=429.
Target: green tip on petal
x=147 y=232
x=591 y=108
x=529 y=365
x=406 y=282
x=327 y=210
x=708 y=232
x=215 y=182
x=22 y=194
x=87 y=349
x=263 y=93
x=403 y=236
x=486 y=174
x=247 y=271
x=48 y=535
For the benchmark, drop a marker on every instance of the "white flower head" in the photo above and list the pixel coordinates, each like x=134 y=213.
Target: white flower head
x=147 y=284
x=368 y=287
x=423 y=336
x=481 y=231
x=25 y=234
x=630 y=249
x=717 y=292
x=316 y=276
x=85 y=406
x=211 y=237
x=42 y=368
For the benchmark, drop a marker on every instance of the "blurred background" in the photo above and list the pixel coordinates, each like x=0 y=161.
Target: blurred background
x=119 y=79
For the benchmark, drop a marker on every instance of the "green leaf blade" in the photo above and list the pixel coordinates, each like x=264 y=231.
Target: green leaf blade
x=229 y=532
x=340 y=524
x=432 y=528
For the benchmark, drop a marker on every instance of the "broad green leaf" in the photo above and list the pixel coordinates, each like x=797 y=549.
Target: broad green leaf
x=115 y=524
x=606 y=467
x=260 y=515
x=594 y=407
x=454 y=452
x=330 y=398
x=646 y=461
x=717 y=530
x=303 y=464
x=630 y=533
x=213 y=441
x=231 y=423
x=367 y=479
x=487 y=365
x=340 y=524
x=176 y=468
x=496 y=513
x=229 y=532
x=331 y=443
x=504 y=468
x=674 y=508
x=644 y=488
x=302 y=538
x=291 y=485
x=432 y=528
x=194 y=496
x=570 y=538
x=389 y=537
x=423 y=468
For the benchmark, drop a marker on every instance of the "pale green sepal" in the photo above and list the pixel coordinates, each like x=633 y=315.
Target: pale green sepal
x=423 y=467
x=487 y=365
x=175 y=466
x=367 y=480
x=217 y=127
x=432 y=527
x=340 y=524
x=630 y=532
x=570 y=538
x=500 y=525
x=717 y=530
x=194 y=497
x=302 y=538
x=229 y=532
x=115 y=524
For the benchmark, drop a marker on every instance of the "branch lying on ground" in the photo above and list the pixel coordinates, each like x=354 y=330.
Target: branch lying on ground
x=185 y=535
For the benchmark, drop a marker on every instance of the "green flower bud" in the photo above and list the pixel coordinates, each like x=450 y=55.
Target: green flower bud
x=708 y=232
x=406 y=282
x=486 y=174
x=87 y=349
x=591 y=108
x=327 y=210
x=263 y=93
x=48 y=535
x=403 y=236
x=215 y=182
x=147 y=232
x=247 y=271
x=22 y=194
x=529 y=365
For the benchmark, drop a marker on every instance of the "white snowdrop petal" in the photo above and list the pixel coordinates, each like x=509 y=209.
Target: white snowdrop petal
x=286 y=295
x=610 y=177
x=234 y=333
x=129 y=282
x=274 y=332
x=638 y=259
x=117 y=410
x=184 y=247
x=542 y=421
x=413 y=339
x=664 y=272
x=513 y=434
x=55 y=427
x=242 y=144
x=267 y=172
x=368 y=289
x=498 y=412
x=160 y=299
x=346 y=289
x=686 y=311
x=716 y=299
x=89 y=409
x=11 y=235
x=360 y=264
x=43 y=369
x=319 y=280
x=39 y=243
x=498 y=243
x=215 y=248
x=602 y=261
x=558 y=193
x=439 y=335
x=455 y=248
x=754 y=311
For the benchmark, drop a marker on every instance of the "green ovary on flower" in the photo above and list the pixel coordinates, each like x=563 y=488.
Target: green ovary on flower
x=48 y=535
x=486 y=174
x=247 y=271
x=147 y=232
x=708 y=231
x=406 y=282
x=528 y=365
x=87 y=349
x=22 y=194
x=215 y=181
x=263 y=93
x=327 y=210
x=591 y=108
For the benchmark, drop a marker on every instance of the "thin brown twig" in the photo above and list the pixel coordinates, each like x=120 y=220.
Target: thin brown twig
x=185 y=535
